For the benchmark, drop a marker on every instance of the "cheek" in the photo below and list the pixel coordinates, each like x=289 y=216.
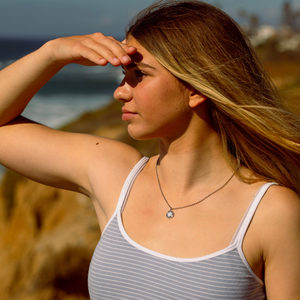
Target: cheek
x=176 y=93
x=176 y=101
x=160 y=97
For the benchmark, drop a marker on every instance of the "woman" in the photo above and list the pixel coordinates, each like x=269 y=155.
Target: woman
x=216 y=215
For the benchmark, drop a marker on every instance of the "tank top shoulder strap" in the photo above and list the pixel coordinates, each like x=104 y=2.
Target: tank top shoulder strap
x=127 y=187
x=129 y=182
x=248 y=216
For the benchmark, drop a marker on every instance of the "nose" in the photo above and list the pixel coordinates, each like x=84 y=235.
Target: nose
x=123 y=92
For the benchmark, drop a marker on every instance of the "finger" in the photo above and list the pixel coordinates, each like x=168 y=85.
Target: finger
x=120 y=51
x=88 y=56
x=86 y=62
x=130 y=50
x=90 y=50
x=106 y=53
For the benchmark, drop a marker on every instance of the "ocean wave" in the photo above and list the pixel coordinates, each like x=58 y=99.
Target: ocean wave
x=59 y=109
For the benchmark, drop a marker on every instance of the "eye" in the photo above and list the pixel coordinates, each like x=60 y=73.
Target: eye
x=139 y=73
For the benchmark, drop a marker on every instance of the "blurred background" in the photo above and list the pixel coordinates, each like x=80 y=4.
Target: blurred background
x=47 y=236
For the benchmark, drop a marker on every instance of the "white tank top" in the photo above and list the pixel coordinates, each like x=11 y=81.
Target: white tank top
x=123 y=269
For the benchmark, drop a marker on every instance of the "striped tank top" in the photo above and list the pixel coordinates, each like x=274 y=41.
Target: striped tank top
x=123 y=269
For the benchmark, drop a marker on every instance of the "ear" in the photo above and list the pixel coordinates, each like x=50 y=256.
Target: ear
x=196 y=98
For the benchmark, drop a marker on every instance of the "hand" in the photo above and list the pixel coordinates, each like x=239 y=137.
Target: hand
x=90 y=50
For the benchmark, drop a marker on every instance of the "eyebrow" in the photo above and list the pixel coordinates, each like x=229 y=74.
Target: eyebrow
x=139 y=64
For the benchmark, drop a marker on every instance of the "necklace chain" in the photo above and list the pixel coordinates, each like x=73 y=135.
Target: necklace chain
x=170 y=213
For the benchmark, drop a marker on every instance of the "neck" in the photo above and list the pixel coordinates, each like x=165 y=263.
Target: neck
x=194 y=160
x=191 y=162
x=170 y=214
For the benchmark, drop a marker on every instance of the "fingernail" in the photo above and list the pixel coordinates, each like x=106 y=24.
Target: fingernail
x=125 y=59
x=131 y=48
x=116 y=60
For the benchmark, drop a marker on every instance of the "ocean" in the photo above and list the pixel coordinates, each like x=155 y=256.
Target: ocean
x=73 y=91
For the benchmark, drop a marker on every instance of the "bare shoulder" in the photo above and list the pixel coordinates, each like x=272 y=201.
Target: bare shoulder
x=280 y=202
x=279 y=212
x=279 y=219
x=110 y=162
x=113 y=154
x=109 y=165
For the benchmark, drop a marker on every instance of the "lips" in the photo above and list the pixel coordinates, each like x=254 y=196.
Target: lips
x=127 y=114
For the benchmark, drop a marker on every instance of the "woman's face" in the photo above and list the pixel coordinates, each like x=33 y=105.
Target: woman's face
x=156 y=104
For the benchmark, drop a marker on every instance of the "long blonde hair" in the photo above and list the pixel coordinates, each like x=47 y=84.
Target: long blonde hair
x=201 y=45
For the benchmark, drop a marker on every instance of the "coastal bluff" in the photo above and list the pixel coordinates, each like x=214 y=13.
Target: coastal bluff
x=48 y=235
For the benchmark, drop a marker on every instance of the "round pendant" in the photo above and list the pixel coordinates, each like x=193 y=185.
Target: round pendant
x=170 y=214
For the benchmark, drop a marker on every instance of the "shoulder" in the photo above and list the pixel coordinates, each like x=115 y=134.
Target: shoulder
x=112 y=158
x=278 y=214
x=110 y=163
x=280 y=206
x=279 y=219
x=279 y=222
x=280 y=203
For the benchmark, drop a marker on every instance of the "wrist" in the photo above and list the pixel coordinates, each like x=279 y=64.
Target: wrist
x=47 y=55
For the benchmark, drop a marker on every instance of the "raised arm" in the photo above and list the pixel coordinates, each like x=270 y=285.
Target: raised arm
x=20 y=81
x=46 y=155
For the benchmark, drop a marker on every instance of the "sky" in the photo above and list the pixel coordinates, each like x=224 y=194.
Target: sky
x=54 y=18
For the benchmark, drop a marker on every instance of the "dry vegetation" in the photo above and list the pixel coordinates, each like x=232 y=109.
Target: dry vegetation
x=284 y=69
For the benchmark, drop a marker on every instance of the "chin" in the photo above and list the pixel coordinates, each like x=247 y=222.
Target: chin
x=140 y=135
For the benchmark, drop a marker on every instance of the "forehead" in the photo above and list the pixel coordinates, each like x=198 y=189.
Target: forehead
x=142 y=56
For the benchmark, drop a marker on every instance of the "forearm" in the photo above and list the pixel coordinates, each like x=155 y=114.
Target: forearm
x=20 y=81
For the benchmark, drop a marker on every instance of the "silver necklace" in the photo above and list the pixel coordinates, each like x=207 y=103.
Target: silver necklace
x=170 y=214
